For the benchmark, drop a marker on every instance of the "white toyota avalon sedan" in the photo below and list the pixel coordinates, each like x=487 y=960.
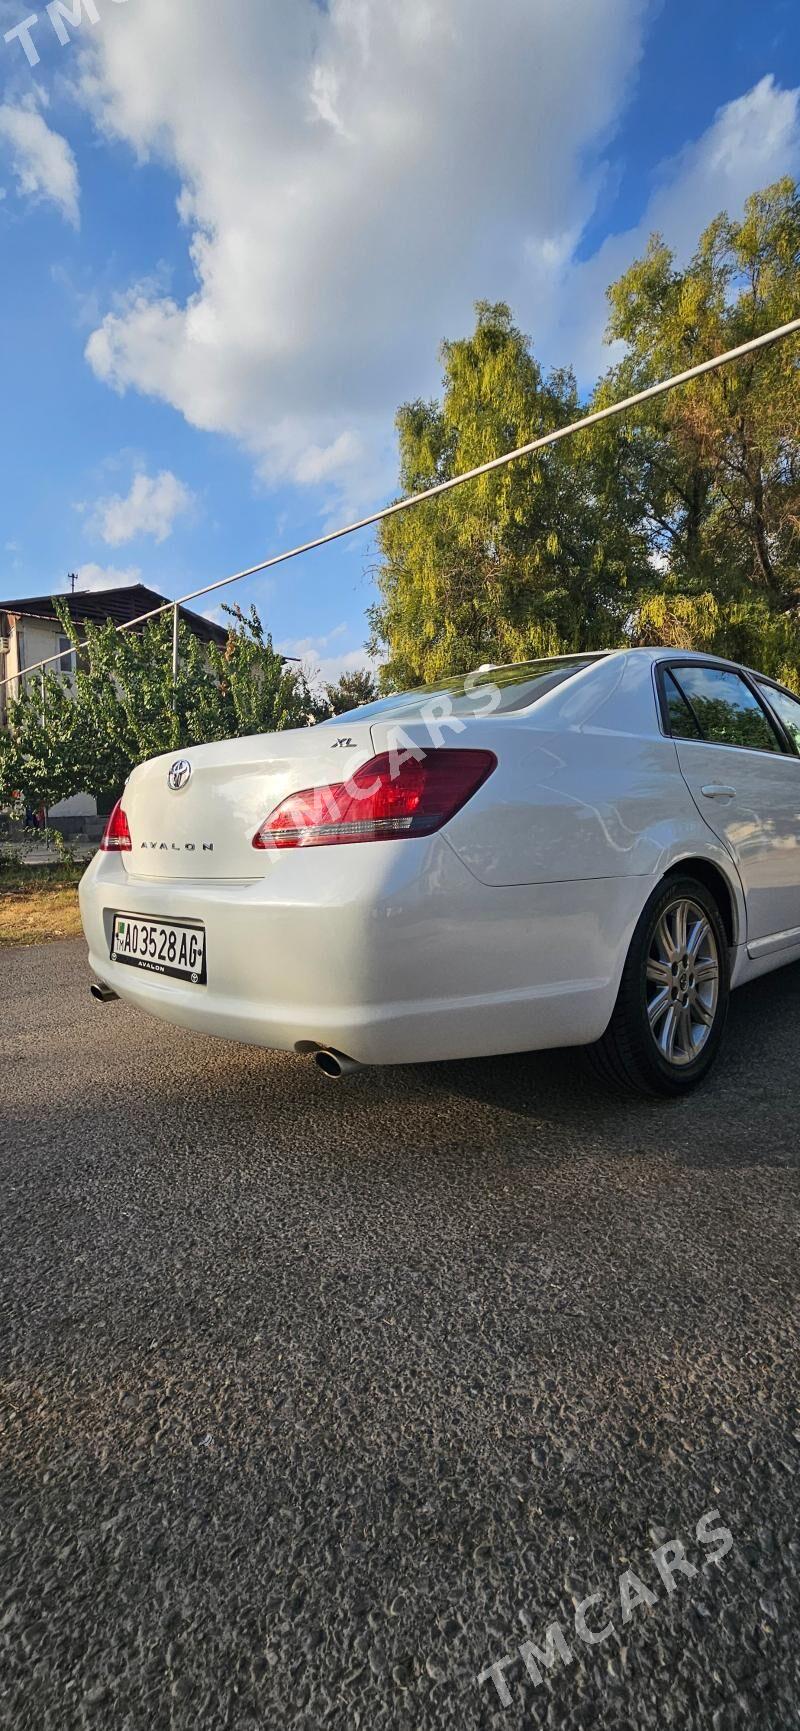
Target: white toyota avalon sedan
x=586 y=851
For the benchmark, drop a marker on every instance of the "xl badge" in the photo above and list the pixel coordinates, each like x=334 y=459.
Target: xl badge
x=179 y=775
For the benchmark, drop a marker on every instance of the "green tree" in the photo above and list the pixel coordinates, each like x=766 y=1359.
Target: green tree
x=679 y=523
x=351 y=691
x=43 y=749
x=714 y=467
x=526 y=561
x=122 y=706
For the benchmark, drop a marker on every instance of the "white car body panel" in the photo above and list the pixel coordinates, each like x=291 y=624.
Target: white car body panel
x=540 y=818
x=507 y=930
x=390 y=953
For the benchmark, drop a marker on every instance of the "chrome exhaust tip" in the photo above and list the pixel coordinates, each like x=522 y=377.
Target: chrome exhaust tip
x=333 y=1064
x=103 y=994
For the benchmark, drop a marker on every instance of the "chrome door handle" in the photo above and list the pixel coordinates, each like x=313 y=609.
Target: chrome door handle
x=716 y=790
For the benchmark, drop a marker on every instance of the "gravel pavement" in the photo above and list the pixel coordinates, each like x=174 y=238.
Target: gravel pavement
x=318 y=1399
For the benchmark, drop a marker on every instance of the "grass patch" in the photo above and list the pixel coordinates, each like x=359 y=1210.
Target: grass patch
x=19 y=879
x=38 y=904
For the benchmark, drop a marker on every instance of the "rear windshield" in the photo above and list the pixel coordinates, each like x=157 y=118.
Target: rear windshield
x=512 y=688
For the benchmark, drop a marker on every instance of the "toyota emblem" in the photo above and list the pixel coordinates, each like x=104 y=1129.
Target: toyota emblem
x=179 y=775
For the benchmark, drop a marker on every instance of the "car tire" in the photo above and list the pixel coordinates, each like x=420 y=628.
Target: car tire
x=669 y=1019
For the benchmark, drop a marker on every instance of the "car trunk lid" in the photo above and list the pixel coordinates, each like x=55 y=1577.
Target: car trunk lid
x=193 y=814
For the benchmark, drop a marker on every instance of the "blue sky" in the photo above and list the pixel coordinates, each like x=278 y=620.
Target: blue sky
x=232 y=238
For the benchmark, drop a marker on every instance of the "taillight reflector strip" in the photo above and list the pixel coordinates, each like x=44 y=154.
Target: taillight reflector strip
x=385 y=800
x=117 y=835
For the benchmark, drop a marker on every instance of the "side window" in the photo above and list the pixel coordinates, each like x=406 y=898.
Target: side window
x=725 y=708
x=788 y=708
x=65 y=665
x=682 y=724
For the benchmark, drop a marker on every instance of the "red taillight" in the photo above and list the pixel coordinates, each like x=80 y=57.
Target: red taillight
x=116 y=836
x=382 y=801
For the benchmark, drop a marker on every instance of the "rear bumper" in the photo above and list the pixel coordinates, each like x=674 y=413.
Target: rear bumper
x=392 y=954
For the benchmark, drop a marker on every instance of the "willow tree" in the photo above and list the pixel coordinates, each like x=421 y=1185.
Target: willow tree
x=525 y=561
x=714 y=467
x=679 y=523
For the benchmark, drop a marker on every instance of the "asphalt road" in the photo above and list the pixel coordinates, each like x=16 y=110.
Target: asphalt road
x=318 y=1399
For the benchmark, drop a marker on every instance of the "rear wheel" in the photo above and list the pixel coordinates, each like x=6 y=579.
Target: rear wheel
x=669 y=1018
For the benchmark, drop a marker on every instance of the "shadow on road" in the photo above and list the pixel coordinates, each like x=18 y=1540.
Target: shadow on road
x=150 y=1083
x=747 y=1112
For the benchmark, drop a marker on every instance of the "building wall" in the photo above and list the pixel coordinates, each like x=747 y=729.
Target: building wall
x=81 y=805
x=37 y=639
x=9 y=666
x=34 y=640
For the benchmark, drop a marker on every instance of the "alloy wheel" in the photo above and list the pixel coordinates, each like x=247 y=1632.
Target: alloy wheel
x=682 y=981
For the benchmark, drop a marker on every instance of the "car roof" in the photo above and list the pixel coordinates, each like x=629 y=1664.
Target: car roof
x=706 y=656
x=651 y=652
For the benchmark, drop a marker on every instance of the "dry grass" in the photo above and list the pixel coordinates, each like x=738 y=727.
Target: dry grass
x=35 y=916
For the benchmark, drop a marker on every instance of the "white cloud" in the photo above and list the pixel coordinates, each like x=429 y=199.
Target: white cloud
x=150 y=508
x=751 y=141
x=82 y=303
x=323 y=663
x=317 y=463
x=94 y=577
x=371 y=169
x=41 y=159
x=304 y=646
x=324 y=93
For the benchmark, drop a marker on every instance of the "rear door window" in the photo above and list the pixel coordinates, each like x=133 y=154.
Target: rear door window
x=787 y=709
x=722 y=705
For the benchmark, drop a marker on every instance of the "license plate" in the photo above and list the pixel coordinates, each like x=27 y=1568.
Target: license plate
x=160 y=947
